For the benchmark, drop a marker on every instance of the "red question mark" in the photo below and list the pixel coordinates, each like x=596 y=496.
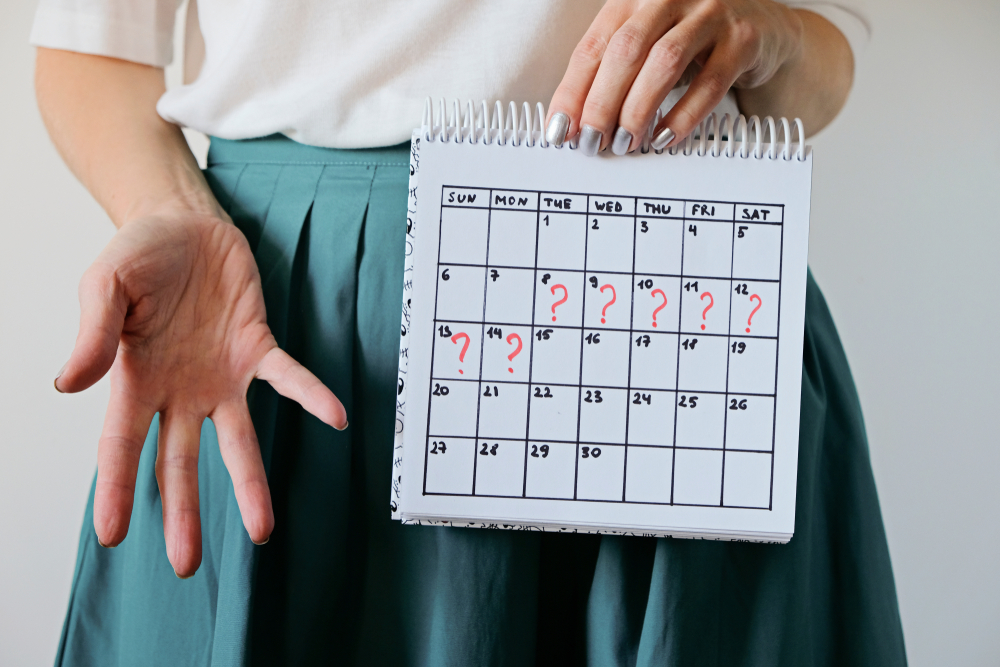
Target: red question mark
x=752 y=312
x=661 y=306
x=465 y=348
x=614 y=297
x=510 y=357
x=711 y=302
x=561 y=301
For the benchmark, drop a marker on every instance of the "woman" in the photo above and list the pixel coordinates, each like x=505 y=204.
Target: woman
x=278 y=271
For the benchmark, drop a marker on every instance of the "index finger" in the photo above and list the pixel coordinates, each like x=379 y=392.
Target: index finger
x=567 y=102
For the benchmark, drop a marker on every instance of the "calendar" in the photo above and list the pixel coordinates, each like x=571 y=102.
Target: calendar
x=607 y=344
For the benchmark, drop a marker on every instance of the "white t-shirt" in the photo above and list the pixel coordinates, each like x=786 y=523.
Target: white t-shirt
x=344 y=73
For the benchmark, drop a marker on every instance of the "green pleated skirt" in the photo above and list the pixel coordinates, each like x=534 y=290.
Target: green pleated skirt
x=339 y=583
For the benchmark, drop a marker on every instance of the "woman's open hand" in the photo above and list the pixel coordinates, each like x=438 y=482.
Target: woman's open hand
x=636 y=51
x=173 y=307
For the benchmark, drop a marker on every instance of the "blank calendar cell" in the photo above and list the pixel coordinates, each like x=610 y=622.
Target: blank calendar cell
x=752 y=365
x=503 y=414
x=558 y=298
x=605 y=358
x=600 y=472
x=602 y=415
x=702 y=363
x=700 y=420
x=757 y=251
x=499 y=467
x=561 y=239
x=551 y=469
x=607 y=300
x=697 y=477
x=750 y=422
x=705 y=306
x=508 y=295
x=512 y=238
x=609 y=243
x=651 y=418
x=456 y=350
x=463 y=235
x=453 y=407
x=708 y=248
x=755 y=308
x=460 y=293
x=658 y=246
x=654 y=360
x=500 y=344
x=555 y=355
x=554 y=412
x=747 y=480
x=449 y=465
x=647 y=474
x=655 y=303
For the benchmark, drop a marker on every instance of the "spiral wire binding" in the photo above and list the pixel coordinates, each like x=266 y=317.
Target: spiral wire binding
x=527 y=128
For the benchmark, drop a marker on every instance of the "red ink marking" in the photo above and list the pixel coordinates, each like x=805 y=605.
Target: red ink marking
x=711 y=302
x=560 y=301
x=465 y=348
x=510 y=357
x=760 y=303
x=614 y=297
x=661 y=306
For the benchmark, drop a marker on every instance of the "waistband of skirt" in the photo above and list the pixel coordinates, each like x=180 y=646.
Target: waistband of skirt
x=279 y=149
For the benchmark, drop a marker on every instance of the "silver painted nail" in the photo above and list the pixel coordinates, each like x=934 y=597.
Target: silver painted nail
x=662 y=139
x=590 y=140
x=558 y=127
x=623 y=139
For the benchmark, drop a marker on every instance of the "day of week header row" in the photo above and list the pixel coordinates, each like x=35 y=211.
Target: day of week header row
x=603 y=205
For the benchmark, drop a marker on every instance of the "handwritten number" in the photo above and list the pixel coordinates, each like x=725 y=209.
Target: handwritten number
x=689 y=343
x=742 y=288
x=643 y=227
x=688 y=401
x=642 y=340
x=544 y=334
x=438 y=447
x=693 y=229
x=739 y=348
x=440 y=390
x=538 y=393
x=593 y=338
x=691 y=286
x=444 y=275
x=587 y=452
x=444 y=331
x=734 y=405
x=544 y=449
x=594 y=226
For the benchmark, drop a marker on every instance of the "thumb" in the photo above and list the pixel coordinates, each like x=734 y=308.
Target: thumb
x=103 y=305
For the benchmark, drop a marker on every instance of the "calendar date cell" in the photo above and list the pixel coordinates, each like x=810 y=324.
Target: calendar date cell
x=558 y=298
x=757 y=251
x=605 y=357
x=610 y=243
x=449 y=465
x=551 y=469
x=705 y=305
x=503 y=413
x=654 y=360
x=607 y=300
x=453 y=407
x=702 y=362
x=603 y=414
x=752 y=365
x=463 y=235
x=600 y=472
x=708 y=248
x=554 y=412
x=648 y=473
x=555 y=355
x=512 y=238
x=755 y=308
x=499 y=467
x=658 y=246
x=561 y=241
x=651 y=417
x=697 y=477
x=655 y=302
x=508 y=295
x=700 y=420
x=457 y=346
x=506 y=353
x=750 y=422
x=747 y=480
x=460 y=293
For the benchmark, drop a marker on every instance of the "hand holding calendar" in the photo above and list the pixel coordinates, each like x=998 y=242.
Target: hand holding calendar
x=603 y=345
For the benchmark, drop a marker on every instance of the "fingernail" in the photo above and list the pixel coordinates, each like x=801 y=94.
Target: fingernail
x=590 y=140
x=106 y=546
x=266 y=540
x=623 y=139
x=344 y=427
x=180 y=577
x=662 y=139
x=55 y=383
x=556 y=132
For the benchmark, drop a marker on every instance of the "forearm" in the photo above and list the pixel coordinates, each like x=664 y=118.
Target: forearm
x=101 y=115
x=813 y=85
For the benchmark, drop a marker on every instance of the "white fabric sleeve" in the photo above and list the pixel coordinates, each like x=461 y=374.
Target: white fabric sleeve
x=138 y=30
x=847 y=16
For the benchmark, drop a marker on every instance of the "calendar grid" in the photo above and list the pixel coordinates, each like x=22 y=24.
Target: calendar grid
x=537 y=449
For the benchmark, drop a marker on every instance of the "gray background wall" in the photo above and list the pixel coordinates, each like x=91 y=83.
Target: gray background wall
x=904 y=242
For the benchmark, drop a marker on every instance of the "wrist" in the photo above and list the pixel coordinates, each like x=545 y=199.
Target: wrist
x=185 y=193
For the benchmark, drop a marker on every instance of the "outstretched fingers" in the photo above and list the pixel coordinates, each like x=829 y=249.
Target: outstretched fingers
x=290 y=379
x=103 y=305
x=241 y=454
x=177 y=477
x=126 y=423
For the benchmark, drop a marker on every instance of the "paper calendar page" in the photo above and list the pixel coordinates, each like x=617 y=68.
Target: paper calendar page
x=610 y=343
